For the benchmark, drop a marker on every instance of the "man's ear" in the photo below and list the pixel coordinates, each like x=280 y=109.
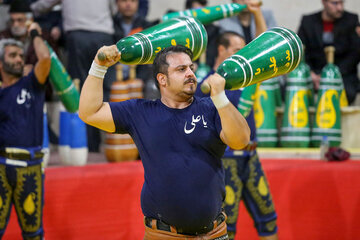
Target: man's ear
x=162 y=79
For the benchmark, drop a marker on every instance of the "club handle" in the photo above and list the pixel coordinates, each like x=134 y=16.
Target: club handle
x=205 y=88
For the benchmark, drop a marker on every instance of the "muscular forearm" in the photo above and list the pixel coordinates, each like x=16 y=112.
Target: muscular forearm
x=41 y=50
x=259 y=22
x=235 y=130
x=42 y=66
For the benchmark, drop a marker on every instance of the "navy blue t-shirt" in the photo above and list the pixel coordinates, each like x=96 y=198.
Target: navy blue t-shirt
x=21 y=113
x=181 y=152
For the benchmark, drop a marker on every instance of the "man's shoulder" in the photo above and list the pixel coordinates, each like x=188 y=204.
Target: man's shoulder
x=350 y=16
x=137 y=102
x=32 y=79
x=311 y=16
x=204 y=101
x=27 y=81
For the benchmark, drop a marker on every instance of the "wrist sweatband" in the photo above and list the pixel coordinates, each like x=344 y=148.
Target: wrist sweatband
x=220 y=100
x=34 y=33
x=97 y=70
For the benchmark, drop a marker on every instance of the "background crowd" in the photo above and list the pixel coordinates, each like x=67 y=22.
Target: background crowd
x=75 y=32
x=76 y=29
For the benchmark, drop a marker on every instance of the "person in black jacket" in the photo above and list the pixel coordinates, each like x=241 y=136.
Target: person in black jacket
x=337 y=27
x=128 y=21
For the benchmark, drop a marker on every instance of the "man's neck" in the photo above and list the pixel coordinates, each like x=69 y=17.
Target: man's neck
x=176 y=103
x=325 y=17
x=128 y=20
x=8 y=80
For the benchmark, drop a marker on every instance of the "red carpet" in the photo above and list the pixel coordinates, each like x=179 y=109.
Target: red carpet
x=314 y=200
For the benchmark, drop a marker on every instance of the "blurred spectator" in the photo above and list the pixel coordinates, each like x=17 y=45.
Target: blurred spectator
x=189 y=4
x=20 y=16
x=211 y=29
x=4 y=15
x=21 y=127
x=52 y=22
x=143 y=8
x=244 y=23
x=128 y=21
x=336 y=27
x=87 y=28
x=250 y=23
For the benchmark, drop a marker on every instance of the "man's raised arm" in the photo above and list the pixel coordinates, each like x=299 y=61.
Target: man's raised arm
x=92 y=109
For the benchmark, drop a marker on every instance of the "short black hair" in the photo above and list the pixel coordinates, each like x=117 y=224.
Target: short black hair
x=160 y=64
x=189 y=3
x=19 y=6
x=224 y=38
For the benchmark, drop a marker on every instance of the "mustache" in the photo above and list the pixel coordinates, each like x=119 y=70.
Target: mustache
x=190 y=80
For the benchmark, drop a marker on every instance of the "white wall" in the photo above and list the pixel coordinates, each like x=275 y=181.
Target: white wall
x=287 y=12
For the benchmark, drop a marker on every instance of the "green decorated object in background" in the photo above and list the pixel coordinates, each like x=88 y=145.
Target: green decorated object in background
x=327 y=113
x=141 y=47
x=305 y=68
x=310 y=85
x=62 y=83
x=208 y=15
x=265 y=114
x=275 y=52
x=247 y=99
x=277 y=89
x=295 y=127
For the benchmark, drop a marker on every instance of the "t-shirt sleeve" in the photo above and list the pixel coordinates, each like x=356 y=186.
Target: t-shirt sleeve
x=34 y=81
x=218 y=122
x=123 y=113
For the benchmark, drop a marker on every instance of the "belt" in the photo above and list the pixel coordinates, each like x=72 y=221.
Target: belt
x=160 y=225
x=21 y=155
x=250 y=147
x=246 y=151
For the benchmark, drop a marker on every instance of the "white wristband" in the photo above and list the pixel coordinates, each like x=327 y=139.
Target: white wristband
x=220 y=100
x=97 y=70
